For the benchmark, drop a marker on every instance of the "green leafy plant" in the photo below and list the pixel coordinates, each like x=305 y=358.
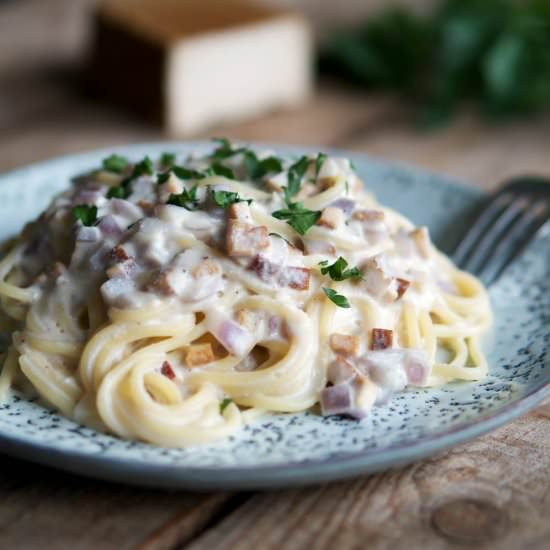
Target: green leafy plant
x=494 y=52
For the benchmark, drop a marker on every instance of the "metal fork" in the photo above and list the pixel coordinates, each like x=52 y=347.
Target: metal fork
x=515 y=214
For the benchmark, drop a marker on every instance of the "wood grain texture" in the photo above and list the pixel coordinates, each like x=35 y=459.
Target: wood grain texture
x=491 y=493
x=43 y=508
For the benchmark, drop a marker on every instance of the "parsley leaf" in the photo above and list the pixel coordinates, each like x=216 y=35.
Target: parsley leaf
x=225 y=198
x=298 y=217
x=338 y=299
x=168 y=159
x=186 y=199
x=185 y=174
x=225 y=403
x=115 y=163
x=218 y=169
x=319 y=161
x=225 y=149
x=295 y=174
x=257 y=169
x=119 y=192
x=143 y=168
x=86 y=214
x=338 y=272
x=352 y=166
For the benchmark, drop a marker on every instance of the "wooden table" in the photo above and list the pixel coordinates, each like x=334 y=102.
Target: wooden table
x=491 y=493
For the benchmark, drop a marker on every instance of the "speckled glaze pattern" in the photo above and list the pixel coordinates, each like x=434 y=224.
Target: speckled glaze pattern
x=296 y=449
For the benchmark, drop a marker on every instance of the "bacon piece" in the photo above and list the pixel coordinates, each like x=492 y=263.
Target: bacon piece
x=377 y=282
x=244 y=239
x=402 y=286
x=269 y=272
x=331 y=217
x=109 y=227
x=344 y=343
x=118 y=254
x=337 y=400
x=340 y=370
x=121 y=269
x=167 y=370
x=161 y=283
x=381 y=339
x=199 y=354
x=239 y=211
x=294 y=277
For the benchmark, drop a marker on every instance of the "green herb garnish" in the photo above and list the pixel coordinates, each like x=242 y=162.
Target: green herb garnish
x=86 y=214
x=494 y=52
x=186 y=174
x=225 y=149
x=115 y=163
x=186 y=199
x=119 y=192
x=218 y=169
x=257 y=169
x=319 y=161
x=225 y=198
x=298 y=217
x=338 y=299
x=168 y=159
x=143 y=168
x=338 y=272
x=295 y=174
x=225 y=403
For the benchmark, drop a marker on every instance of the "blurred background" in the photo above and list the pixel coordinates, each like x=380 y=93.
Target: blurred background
x=457 y=86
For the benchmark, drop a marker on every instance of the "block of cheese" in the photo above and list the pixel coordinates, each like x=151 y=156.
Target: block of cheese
x=190 y=64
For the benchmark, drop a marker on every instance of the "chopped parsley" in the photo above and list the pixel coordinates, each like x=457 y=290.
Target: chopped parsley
x=338 y=272
x=225 y=198
x=295 y=174
x=185 y=174
x=298 y=217
x=225 y=403
x=186 y=199
x=319 y=161
x=115 y=163
x=257 y=169
x=124 y=190
x=338 y=299
x=218 y=169
x=86 y=214
x=225 y=149
x=168 y=159
x=119 y=192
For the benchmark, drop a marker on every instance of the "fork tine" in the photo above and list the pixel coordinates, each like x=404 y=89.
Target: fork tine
x=480 y=225
x=534 y=223
x=486 y=245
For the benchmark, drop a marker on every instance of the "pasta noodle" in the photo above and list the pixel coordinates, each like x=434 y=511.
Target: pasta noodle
x=172 y=303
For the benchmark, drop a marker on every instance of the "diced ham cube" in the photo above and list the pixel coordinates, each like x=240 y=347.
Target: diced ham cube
x=161 y=283
x=122 y=269
x=345 y=205
x=377 y=282
x=344 y=343
x=340 y=371
x=331 y=217
x=337 y=400
x=239 y=211
x=109 y=227
x=119 y=254
x=417 y=367
x=294 y=277
x=234 y=338
x=381 y=339
x=265 y=269
x=199 y=354
x=244 y=239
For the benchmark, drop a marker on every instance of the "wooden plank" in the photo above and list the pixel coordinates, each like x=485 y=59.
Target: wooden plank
x=43 y=508
x=491 y=493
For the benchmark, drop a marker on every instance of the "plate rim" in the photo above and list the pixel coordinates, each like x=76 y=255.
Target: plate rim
x=334 y=467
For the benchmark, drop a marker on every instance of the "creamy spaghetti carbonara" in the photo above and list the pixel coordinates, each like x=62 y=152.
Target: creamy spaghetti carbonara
x=172 y=300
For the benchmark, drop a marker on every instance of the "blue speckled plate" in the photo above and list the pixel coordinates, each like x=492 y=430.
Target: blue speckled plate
x=296 y=449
